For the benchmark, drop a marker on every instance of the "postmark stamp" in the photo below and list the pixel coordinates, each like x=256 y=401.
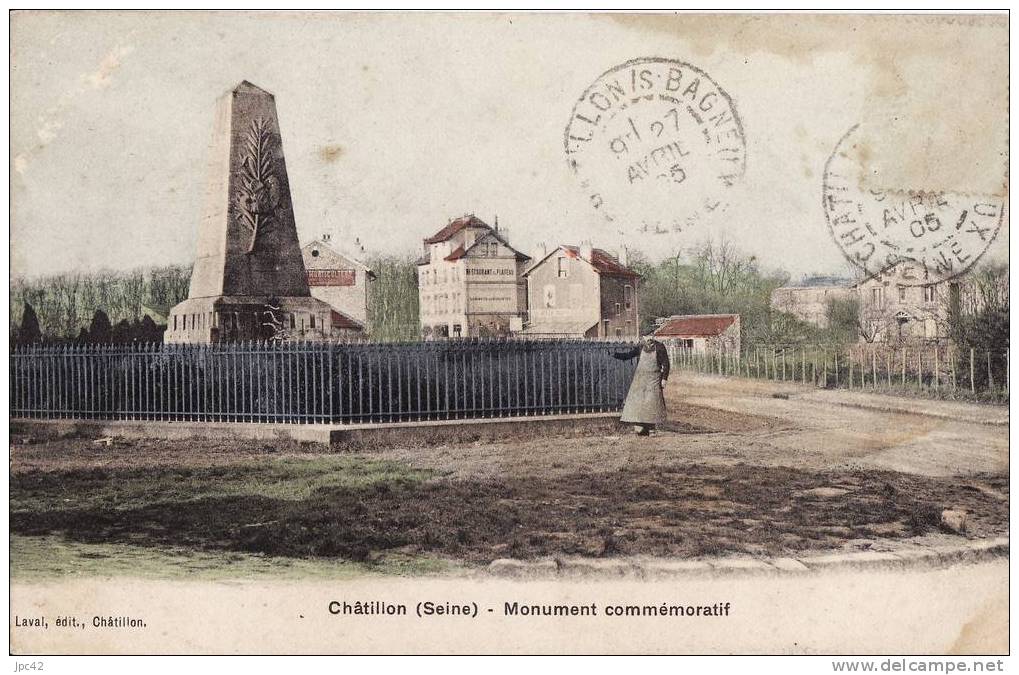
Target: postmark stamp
x=942 y=234
x=656 y=145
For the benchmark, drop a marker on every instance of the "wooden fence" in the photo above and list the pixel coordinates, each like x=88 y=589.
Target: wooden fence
x=925 y=367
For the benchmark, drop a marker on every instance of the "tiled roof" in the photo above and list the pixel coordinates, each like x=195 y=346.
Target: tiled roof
x=454 y=227
x=341 y=320
x=696 y=325
x=603 y=262
x=456 y=255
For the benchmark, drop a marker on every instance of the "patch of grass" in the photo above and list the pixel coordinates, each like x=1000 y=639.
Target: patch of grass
x=288 y=479
x=45 y=557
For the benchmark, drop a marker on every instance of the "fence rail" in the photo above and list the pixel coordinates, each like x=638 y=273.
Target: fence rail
x=923 y=367
x=303 y=383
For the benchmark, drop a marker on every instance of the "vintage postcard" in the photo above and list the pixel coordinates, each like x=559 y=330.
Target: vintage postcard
x=509 y=333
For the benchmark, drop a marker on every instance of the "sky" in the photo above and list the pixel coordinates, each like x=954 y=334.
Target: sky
x=393 y=123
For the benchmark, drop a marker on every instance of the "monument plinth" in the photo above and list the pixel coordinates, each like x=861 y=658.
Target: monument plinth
x=248 y=280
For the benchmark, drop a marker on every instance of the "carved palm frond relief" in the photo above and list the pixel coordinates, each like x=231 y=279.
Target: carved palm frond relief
x=258 y=187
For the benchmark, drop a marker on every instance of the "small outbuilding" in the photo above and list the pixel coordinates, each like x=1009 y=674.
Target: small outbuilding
x=701 y=333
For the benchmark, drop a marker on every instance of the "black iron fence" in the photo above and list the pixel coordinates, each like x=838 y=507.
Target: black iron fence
x=928 y=367
x=304 y=383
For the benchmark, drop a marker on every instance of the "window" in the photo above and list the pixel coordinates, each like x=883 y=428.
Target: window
x=456 y=330
x=902 y=292
x=493 y=250
x=628 y=296
x=312 y=320
x=564 y=269
x=293 y=321
x=175 y=322
x=876 y=297
x=314 y=253
x=618 y=307
x=629 y=328
x=605 y=330
x=928 y=293
x=619 y=332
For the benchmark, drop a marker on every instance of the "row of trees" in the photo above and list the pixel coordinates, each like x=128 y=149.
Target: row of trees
x=712 y=277
x=715 y=277
x=393 y=298
x=64 y=304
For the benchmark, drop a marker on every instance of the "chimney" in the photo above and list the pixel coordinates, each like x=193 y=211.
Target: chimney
x=497 y=222
x=586 y=250
x=622 y=256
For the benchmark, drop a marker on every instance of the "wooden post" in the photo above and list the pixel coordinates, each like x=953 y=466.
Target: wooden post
x=836 y=368
x=873 y=367
x=919 y=368
x=952 y=368
x=937 y=375
x=850 y=368
x=972 y=382
x=990 y=375
x=904 y=350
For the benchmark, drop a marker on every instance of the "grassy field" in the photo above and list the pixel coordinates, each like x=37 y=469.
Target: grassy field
x=774 y=477
x=315 y=515
x=81 y=505
x=56 y=556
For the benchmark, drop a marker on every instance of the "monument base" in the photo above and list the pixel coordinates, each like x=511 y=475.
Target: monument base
x=234 y=318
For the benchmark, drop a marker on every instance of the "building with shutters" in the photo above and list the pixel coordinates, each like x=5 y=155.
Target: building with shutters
x=581 y=291
x=470 y=282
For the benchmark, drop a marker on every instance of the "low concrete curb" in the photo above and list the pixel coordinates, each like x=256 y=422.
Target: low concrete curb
x=336 y=434
x=657 y=568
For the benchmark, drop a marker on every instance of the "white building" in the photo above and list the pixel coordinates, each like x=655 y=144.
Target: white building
x=469 y=282
x=340 y=280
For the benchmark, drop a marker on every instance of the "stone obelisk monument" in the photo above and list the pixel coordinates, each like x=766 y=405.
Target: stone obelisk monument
x=248 y=280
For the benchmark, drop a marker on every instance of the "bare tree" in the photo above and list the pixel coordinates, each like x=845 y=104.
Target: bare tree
x=65 y=288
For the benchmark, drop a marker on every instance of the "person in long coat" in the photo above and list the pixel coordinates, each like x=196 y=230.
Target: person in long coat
x=645 y=401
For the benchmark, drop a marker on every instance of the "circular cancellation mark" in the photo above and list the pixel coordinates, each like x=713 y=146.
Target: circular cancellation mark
x=941 y=234
x=657 y=145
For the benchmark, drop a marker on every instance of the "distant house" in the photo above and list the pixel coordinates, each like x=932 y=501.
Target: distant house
x=701 y=333
x=469 y=281
x=581 y=292
x=897 y=306
x=342 y=282
x=809 y=299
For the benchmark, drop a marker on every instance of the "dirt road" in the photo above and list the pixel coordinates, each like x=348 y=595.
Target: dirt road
x=728 y=422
